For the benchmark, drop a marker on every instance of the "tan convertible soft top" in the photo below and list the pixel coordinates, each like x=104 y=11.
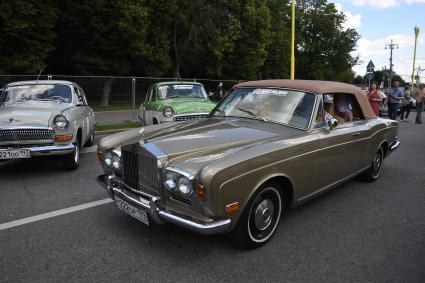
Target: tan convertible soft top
x=321 y=87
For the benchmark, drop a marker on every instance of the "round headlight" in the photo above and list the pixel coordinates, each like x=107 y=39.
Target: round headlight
x=108 y=158
x=185 y=186
x=60 y=121
x=116 y=162
x=170 y=180
x=168 y=112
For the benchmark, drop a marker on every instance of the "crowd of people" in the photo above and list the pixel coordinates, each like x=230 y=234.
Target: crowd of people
x=396 y=99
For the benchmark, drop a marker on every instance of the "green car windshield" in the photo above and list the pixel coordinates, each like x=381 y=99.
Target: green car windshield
x=39 y=92
x=288 y=107
x=181 y=90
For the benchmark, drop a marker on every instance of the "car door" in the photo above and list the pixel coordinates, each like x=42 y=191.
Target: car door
x=341 y=150
x=88 y=113
x=81 y=114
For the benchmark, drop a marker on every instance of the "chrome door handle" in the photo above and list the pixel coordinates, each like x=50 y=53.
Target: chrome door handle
x=355 y=134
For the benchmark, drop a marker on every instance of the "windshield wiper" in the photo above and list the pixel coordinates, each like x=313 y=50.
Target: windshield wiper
x=252 y=114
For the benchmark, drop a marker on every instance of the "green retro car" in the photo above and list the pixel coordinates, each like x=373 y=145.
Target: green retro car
x=175 y=101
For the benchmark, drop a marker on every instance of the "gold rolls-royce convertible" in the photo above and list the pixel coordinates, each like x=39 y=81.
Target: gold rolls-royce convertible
x=268 y=146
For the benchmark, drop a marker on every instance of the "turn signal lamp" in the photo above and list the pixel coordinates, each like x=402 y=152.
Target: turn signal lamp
x=200 y=191
x=63 y=138
x=100 y=156
x=232 y=207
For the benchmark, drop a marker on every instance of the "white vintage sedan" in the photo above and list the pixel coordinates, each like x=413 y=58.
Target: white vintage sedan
x=40 y=118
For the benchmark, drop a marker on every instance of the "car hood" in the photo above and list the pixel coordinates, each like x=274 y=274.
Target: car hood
x=189 y=105
x=30 y=113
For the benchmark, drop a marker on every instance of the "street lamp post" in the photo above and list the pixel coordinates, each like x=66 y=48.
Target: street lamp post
x=416 y=29
x=293 y=42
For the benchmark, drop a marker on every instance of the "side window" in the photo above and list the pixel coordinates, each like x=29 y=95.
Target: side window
x=148 y=95
x=320 y=117
x=83 y=96
x=347 y=108
x=80 y=96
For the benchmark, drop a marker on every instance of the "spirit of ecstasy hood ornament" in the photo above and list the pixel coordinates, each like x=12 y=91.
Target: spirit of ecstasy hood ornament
x=141 y=133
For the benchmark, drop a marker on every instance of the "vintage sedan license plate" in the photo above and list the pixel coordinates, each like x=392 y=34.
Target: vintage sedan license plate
x=135 y=212
x=15 y=153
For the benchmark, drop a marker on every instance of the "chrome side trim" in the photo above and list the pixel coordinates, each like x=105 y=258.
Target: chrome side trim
x=182 y=172
x=152 y=148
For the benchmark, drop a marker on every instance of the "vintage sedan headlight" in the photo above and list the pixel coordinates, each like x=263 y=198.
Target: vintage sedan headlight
x=60 y=121
x=178 y=179
x=112 y=158
x=185 y=186
x=168 y=112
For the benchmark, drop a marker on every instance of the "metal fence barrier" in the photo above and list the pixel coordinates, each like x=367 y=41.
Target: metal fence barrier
x=122 y=92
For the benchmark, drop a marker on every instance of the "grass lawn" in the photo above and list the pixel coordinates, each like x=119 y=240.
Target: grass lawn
x=125 y=125
x=116 y=106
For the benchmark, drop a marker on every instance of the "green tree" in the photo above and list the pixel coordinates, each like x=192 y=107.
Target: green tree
x=323 y=45
x=277 y=63
x=26 y=35
x=250 y=50
x=99 y=37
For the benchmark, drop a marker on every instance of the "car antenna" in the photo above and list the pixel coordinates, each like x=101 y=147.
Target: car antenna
x=41 y=70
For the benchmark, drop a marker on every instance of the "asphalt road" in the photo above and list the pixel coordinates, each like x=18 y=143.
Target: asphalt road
x=357 y=232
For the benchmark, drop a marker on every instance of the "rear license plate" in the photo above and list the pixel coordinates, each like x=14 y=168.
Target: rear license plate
x=15 y=153
x=135 y=212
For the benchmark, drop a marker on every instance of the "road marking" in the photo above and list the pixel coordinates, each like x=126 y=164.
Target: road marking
x=89 y=149
x=55 y=213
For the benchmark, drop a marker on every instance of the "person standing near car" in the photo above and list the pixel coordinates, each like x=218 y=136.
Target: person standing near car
x=405 y=103
x=374 y=98
x=395 y=95
x=420 y=97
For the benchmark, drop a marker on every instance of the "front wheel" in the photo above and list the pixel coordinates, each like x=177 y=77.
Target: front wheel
x=260 y=217
x=72 y=161
x=374 y=171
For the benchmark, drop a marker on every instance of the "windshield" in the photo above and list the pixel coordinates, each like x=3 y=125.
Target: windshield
x=181 y=90
x=288 y=107
x=39 y=92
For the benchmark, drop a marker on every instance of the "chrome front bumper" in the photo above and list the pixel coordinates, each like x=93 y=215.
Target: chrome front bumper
x=52 y=150
x=160 y=215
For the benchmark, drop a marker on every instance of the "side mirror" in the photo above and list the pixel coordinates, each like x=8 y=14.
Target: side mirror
x=333 y=123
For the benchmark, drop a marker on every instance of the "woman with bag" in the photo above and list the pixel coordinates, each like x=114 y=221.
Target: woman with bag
x=374 y=98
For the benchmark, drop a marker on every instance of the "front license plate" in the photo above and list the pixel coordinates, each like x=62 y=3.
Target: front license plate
x=15 y=153
x=135 y=212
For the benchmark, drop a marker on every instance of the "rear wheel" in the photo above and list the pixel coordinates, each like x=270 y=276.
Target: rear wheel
x=72 y=161
x=374 y=171
x=260 y=218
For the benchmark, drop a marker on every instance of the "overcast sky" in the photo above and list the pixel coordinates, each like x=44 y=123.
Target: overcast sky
x=379 y=21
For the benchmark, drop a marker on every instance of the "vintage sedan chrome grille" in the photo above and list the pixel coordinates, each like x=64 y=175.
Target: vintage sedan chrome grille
x=140 y=170
x=189 y=117
x=25 y=135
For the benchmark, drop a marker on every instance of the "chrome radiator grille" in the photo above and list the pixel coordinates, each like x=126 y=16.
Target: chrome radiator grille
x=16 y=135
x=140 y=170
x=189 y=117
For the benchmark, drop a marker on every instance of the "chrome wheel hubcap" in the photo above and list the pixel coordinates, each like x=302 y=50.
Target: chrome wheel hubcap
x=377 y=164
x=264 y=214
